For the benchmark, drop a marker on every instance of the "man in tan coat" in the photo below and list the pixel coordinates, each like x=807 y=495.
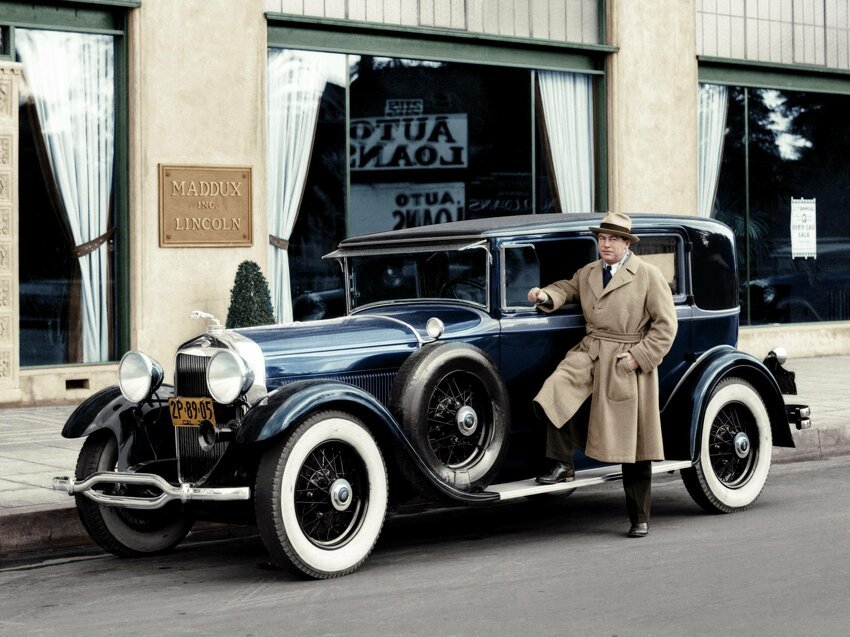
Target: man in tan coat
x=631 y=324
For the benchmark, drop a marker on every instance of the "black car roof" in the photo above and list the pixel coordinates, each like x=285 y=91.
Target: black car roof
x=515 y=225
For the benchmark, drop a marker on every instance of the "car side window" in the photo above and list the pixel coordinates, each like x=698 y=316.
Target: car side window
x=539 y=263
x=663 y=253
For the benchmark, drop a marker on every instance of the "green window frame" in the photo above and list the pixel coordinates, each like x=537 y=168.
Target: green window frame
x=105 y=17
x=446 y=45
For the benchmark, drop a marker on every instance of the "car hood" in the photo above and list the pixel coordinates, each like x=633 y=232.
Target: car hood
x=378 y=339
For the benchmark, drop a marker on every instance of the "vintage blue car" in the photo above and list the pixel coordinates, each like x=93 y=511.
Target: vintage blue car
x=422 y=390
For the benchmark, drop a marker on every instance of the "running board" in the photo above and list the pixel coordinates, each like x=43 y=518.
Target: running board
x=585 y=478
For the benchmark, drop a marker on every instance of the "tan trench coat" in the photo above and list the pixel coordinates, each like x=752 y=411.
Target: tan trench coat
x=634 y=313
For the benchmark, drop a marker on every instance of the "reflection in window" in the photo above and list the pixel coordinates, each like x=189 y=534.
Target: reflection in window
x=428 y=142
x=67 y=123
x=794 y=146
x=306 y=181
x=433 y=142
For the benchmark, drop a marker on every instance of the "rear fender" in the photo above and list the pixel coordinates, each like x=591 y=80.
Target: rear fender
x=273 y=415
x=681 y=417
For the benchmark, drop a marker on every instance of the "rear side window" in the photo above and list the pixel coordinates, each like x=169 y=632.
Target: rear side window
x=713 y=272
x=662 y=252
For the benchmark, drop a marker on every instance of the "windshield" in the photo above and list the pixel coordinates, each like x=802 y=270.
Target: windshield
x=459 y=274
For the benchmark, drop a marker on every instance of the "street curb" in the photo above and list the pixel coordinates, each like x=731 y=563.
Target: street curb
x=41 y=528
x=54 y=527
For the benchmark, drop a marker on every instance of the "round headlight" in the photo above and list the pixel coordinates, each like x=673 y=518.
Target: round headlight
x=138 y=376
x=228 y=377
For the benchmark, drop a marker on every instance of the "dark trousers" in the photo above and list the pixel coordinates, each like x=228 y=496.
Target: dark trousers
x=637 y=476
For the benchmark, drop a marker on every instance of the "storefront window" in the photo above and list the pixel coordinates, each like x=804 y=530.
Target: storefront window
x=67 y=251
x=784 y=190
x=427 y=142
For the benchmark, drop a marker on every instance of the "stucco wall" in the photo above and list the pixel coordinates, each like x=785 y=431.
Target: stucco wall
x=652 y=106
x=196 y=97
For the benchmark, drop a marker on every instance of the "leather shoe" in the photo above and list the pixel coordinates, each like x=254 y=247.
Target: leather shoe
x=560 y=472
x=639 y=529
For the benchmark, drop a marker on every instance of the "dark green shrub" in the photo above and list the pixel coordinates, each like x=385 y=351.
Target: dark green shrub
x=250 y=300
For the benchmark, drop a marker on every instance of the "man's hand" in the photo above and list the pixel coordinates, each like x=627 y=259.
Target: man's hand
x=536 y=295
x=631 y=361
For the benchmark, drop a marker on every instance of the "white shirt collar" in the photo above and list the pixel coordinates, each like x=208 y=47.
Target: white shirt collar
x=619 y=264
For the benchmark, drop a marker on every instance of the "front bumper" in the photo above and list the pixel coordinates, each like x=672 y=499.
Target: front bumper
x=169 y=493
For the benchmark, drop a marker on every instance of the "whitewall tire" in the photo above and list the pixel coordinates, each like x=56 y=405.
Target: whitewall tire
x=321 y=496
x=735 y=449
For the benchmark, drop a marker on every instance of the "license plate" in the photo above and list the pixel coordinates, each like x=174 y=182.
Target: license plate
x=190 y=412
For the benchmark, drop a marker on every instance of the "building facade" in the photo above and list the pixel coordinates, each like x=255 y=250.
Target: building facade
x=147 y=147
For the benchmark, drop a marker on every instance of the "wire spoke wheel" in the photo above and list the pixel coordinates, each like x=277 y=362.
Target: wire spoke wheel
x=460 y=419
x=451 y=401
x=732 y=451
x=321 y=495
x=735 y=449
x=330 y=494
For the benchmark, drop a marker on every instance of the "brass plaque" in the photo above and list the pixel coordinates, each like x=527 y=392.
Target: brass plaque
x=204 y=206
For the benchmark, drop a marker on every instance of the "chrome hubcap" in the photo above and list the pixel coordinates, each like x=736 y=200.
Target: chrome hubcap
x=467 y=420
x=341 y=494
x=742 y=444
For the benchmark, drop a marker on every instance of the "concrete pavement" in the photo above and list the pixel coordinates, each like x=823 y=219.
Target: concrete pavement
x=33 y=517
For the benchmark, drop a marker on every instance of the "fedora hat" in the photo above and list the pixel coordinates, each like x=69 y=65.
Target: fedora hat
x=618 y=224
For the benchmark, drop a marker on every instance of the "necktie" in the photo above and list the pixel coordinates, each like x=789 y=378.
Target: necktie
x=606 y=275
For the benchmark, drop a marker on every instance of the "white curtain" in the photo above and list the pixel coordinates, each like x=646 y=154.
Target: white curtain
x=71 y=77
x=711 y=131
x=568 y=112
x=295 y=86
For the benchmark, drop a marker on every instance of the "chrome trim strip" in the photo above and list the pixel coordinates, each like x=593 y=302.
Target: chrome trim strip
x=586 y=478
x=184 y=493
x=421 y=341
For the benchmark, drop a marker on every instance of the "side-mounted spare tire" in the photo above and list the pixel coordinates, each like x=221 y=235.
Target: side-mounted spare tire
x=453 y=404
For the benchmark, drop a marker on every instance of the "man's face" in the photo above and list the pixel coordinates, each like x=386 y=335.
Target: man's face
x=611 y=247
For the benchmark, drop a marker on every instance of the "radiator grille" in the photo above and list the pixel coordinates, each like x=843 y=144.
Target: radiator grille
x=191 y=376
x=193 y=463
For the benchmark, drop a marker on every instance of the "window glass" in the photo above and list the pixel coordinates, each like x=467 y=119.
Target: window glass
x=793 y=148
x=427 y=142
x=67 y=245
x=663 y=253
x=433 y=142
x=521 y=273
x=307 y=176
x=562 y=258
x=713 y=272
x=439 y=274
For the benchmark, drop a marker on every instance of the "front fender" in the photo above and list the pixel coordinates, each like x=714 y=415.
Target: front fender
x=284 y=407
x=687 y=403
x=108 y=409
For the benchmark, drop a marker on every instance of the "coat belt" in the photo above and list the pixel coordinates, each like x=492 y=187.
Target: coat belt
x=616 y=337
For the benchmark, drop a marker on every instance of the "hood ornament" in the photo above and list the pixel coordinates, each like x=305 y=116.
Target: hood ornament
x=214 y=325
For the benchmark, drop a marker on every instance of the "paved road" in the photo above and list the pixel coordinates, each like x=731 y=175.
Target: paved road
x=519 y=568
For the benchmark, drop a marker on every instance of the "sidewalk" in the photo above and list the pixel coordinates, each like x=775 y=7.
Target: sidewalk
x=33 y=451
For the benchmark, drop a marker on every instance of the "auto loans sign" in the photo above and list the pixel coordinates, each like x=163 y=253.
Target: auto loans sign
x=409 y=143
x=379 y=207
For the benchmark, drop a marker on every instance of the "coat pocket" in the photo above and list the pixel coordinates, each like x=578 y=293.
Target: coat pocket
x=622 y=381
